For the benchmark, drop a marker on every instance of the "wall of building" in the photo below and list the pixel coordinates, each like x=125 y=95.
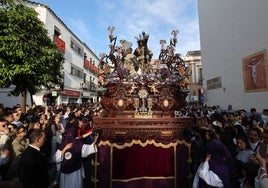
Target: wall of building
x=9 y=101
x=229 y=31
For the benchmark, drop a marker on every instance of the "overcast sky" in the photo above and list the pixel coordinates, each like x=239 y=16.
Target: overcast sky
x=90 y=19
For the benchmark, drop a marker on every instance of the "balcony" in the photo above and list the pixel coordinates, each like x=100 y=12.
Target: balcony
x=60 y=44
x=94 y=69
x=86 y=64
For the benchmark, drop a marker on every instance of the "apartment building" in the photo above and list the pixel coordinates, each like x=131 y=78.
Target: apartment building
x=79 y=68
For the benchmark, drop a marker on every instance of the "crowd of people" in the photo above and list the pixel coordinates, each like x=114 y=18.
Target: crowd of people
x=229 y=148
x=49 y=146
x=54 y=146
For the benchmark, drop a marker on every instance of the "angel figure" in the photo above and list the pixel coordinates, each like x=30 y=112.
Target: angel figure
x=153 y=89
x=132 y=88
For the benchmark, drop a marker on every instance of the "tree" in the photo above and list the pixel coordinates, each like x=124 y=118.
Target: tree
x=29 y=59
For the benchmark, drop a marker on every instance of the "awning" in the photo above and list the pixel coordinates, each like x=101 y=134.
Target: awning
x=70 y=93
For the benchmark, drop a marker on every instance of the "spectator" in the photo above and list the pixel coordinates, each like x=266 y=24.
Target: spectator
x=34 y=125
x=8 y=115
x=65 y=115
x=264 y=116
x=77 y=113
x=246 y=169
x=12 y=131
x=226 y=134
x=86 y=134
x=254 y=115
x=254 y=138
x=58 y=130
x=244 y=149
x=19 y=144
x=263 y=146
x=240 y=130
x=5 y=147
x=33 y=165
x=261 y=181
x=16 y=119
x=245 y=118
x=46 y=148
x=198 y=147
x=30 y=113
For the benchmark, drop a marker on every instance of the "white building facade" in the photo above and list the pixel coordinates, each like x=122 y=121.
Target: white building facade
x=234 y=47
x=193 y=61
x=79 y=68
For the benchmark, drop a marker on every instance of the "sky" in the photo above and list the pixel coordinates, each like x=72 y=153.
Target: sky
x=89 y=21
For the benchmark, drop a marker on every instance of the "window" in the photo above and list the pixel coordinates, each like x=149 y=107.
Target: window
x=77 y=47
x=76 y=71
x=72 y=71
x=200 y=76
x=57 y=31
x=79 y=51
x=72 y=44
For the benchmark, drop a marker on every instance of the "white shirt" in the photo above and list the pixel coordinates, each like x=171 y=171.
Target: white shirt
x=208 y=176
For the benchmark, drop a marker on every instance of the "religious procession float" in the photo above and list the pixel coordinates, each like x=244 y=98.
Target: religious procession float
x=141 y=98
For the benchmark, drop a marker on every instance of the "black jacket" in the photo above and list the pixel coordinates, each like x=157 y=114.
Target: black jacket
x=33 y=169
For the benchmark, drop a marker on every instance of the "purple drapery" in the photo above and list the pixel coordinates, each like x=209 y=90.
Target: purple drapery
x=139 y=166
x=137 y=162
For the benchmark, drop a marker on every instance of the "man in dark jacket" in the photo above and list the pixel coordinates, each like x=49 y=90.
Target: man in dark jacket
x=33 y=165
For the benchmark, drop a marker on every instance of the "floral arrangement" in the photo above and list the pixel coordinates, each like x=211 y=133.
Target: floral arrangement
x=125 y=66
x=122 y=74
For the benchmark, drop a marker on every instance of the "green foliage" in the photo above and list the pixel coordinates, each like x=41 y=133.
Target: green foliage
x=28 y=57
